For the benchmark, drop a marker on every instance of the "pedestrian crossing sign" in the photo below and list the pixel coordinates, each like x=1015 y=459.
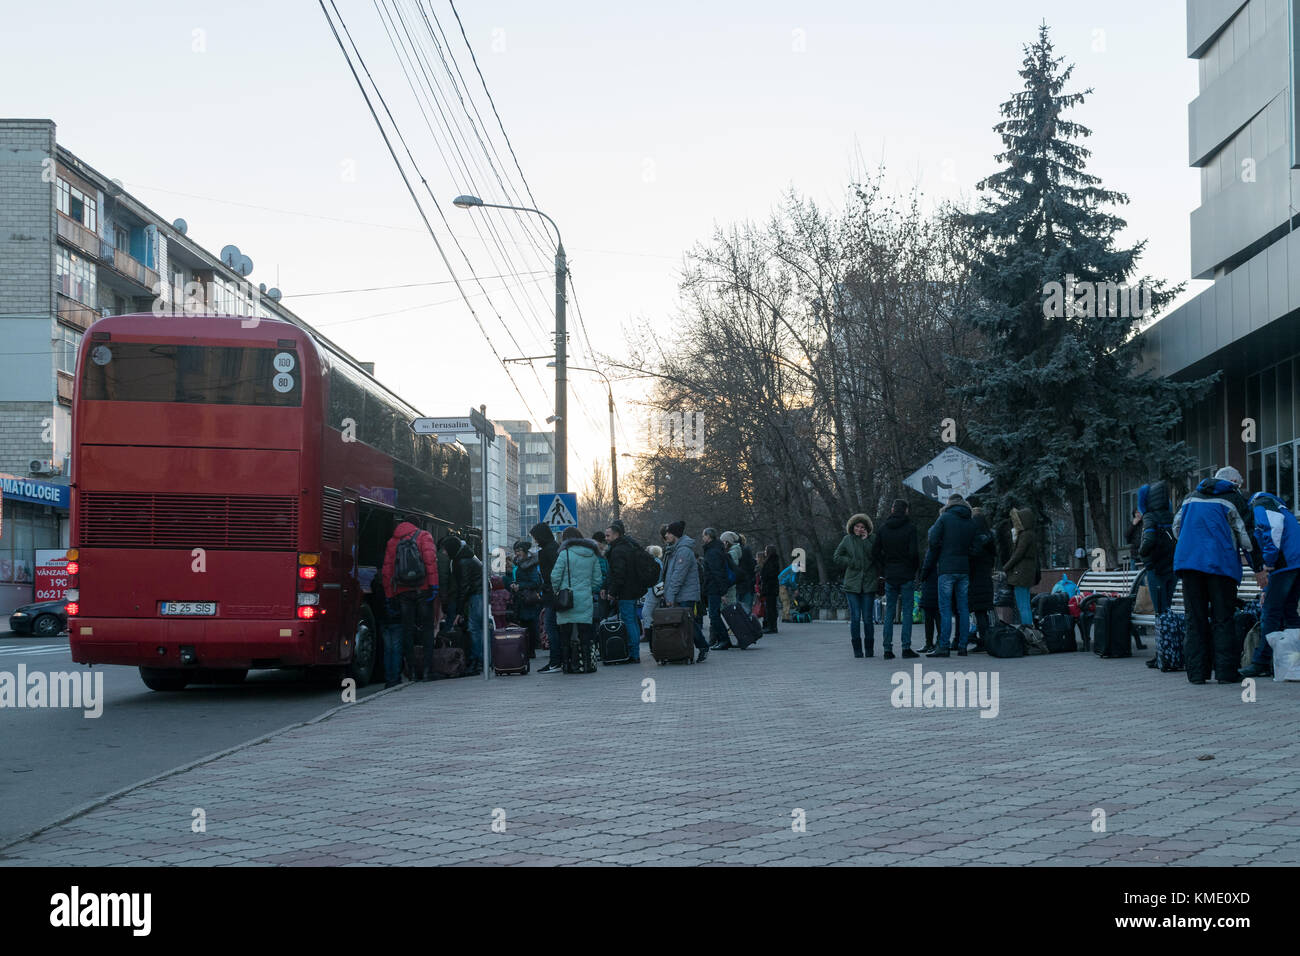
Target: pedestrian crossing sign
x=558 y=509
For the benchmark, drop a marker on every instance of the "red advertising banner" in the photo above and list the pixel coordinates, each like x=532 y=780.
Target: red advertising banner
x=51 y=579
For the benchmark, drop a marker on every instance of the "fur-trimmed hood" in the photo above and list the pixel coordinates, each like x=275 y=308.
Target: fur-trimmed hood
x=848 y=525
x=581 y=542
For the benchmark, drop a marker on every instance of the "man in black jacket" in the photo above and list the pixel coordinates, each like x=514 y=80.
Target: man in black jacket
x=951 y=538
x=715 y=585
x=623 y=585
x=897 y=556
x=548 y=552
x=467 y=570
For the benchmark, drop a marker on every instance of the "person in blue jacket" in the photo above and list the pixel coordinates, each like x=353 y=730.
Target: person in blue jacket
x=1278 y=534
x=1211 y=536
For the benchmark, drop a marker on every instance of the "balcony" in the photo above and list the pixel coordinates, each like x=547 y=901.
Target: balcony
x=65 y=387
x=72 y=312
x=78 y=235
x=133 y=269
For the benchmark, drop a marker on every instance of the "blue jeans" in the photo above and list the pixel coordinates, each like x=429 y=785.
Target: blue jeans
x=860 y=614
x=717 y=627
x=893 y=592
x=746 y=600
x=392 y=651
x=1161 y=590
x=953 y=607
x=627 y=611
x=1277 y=612
x=474 y=619
x=1022 y=605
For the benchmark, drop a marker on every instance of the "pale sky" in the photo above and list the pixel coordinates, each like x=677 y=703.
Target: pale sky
x=638 y=126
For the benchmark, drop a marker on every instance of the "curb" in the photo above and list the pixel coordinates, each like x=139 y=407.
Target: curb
x=261 y=739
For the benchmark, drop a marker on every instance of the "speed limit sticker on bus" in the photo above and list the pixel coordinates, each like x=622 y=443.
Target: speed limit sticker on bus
x=282 y=383
x=284 y=362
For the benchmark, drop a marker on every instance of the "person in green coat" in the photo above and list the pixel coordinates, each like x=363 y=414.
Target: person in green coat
x=577 y=568
x=860 y=577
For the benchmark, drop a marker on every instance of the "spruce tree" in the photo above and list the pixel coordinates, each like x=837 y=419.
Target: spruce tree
x=1058 y=403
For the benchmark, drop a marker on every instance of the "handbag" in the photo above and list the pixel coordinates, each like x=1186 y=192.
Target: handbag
x=564 y=596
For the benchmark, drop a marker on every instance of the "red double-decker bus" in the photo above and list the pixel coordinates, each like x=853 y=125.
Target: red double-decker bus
x=234 y=484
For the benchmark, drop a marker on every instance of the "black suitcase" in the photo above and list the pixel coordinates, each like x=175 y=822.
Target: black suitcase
x=1085 y=629
x=674 y=636
x=1112 y=630
x=1005 y=640
x=612 y=642
x=742 y=624
x=1058 y=632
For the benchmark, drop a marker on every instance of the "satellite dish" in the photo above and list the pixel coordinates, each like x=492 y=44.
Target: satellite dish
x=244 y=266
x=273 y=295
x=230 y=255
x=181 y=226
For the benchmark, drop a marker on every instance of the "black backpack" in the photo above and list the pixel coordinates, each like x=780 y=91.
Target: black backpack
x=646 y=569
x=408 y=566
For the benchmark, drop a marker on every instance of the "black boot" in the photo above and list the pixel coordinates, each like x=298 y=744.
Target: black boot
x=857 y=647
x=871 y=646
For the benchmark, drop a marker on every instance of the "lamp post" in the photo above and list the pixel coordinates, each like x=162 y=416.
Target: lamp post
x=561 y=338
x=613 y=455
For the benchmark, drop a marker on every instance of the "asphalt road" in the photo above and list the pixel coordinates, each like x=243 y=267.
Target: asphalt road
x=52 y=761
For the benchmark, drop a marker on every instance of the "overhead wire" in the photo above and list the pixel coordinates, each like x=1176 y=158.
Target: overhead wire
x=405 y=179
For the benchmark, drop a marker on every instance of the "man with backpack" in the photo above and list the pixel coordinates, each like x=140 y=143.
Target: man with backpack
x=1156 y=547
x=719 y=574
x=468 y=571
x=1211 y=536
x=632 y=572
x=410 y=576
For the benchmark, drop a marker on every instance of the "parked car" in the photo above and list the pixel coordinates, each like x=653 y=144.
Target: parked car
x=43 y=619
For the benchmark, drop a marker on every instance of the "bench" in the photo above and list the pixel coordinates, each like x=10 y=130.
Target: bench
x=1124 y=583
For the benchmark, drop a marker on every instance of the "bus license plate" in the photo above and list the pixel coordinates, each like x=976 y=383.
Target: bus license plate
x=189 y=608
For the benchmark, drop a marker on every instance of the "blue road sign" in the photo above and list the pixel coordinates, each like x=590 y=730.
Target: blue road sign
x=558 y=509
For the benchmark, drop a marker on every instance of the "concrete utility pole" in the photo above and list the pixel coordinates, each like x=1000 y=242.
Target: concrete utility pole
x=561 y=378
x=561 y=337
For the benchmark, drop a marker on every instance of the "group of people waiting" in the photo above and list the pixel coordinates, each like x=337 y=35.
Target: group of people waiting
x=1204 y=545
x=602 y=573
x=955 y=576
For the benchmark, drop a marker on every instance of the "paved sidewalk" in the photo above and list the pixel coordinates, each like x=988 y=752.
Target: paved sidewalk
x=717 y=768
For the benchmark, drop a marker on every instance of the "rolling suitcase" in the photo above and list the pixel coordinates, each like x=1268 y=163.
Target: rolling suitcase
x=1112 y=630
x=742 y=625
x=1005 y=640
x=1058 y=632
x=612 y=641
x=510 y=651
x=674 y=635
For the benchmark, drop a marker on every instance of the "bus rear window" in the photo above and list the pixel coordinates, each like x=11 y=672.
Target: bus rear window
x=198 y=374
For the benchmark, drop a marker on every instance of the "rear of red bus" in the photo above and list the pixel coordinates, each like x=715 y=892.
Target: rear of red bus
x=196 y=439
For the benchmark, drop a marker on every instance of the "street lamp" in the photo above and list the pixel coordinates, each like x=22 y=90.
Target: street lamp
x=561 y=336
x=613 y=456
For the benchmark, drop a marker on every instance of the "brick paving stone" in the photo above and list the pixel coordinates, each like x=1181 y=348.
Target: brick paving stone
x=711 y=772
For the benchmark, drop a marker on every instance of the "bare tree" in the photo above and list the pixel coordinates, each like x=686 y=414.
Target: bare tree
x=814 y=350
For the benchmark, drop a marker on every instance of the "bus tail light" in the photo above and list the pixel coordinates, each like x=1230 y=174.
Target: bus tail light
x=72 y=609
x=72 y=594
x=306 y=613
x=308 y=599
x=72 y=567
